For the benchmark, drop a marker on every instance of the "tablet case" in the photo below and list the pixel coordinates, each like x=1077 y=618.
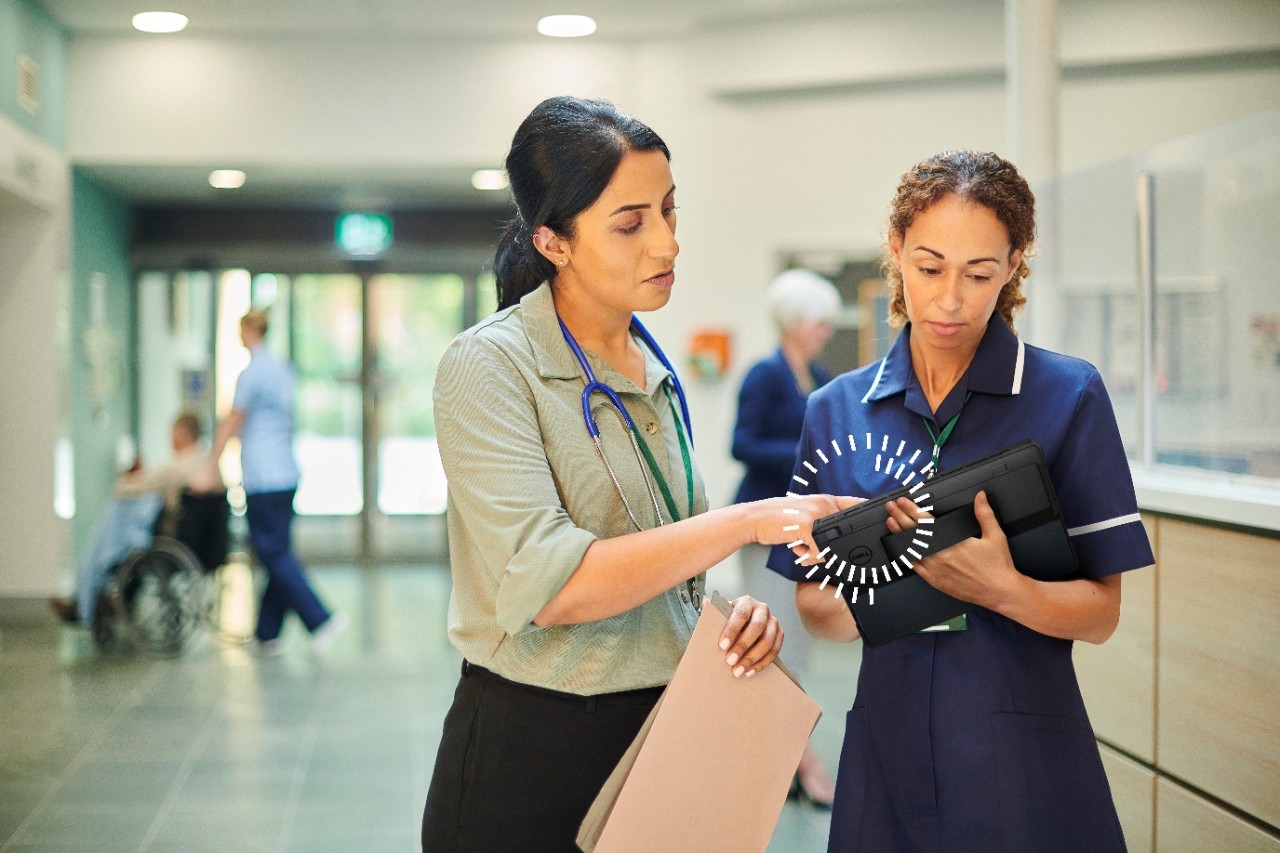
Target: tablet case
x=871 y=568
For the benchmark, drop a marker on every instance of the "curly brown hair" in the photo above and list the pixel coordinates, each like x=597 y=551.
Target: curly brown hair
x=982 y=178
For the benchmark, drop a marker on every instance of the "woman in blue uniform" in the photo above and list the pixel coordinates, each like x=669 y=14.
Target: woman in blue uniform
x=976 y=739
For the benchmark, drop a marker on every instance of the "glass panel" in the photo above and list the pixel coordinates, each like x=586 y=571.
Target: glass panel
x=1082 y=297
x=175 y=357
x=414 y=318
x=271 y=292
x=327 y=328
x=230 y=358
x=1218 y=305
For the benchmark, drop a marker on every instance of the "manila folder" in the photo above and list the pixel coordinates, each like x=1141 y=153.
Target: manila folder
x=712 y=765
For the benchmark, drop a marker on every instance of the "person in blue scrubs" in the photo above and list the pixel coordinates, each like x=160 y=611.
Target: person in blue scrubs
x=771 y=406
x=262 y=415
x=975 y=739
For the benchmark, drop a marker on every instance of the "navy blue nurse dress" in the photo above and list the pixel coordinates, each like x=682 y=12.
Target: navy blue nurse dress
x=976 y=740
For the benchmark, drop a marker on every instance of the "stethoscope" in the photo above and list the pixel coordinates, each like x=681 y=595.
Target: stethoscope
x=594 y=386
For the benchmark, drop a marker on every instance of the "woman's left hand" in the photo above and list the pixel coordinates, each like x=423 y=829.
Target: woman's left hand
x=979 y=571
x=752 y=637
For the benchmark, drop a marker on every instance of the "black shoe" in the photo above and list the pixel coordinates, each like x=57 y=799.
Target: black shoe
x=65 y=608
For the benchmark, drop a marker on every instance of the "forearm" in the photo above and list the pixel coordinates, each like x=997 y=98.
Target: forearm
x=1079 y=609
x=623 y=572
x=824 y=615
x=228 y=429
x=142 y=482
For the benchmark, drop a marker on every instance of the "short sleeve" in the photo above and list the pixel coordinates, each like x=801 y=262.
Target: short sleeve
x=501 y=486
x=1095 y=489
x=246 y=388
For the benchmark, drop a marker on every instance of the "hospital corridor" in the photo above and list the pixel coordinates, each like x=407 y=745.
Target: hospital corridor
x=386 y=387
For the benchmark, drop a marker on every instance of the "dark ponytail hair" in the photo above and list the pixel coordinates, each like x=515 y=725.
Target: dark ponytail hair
x=562 y=157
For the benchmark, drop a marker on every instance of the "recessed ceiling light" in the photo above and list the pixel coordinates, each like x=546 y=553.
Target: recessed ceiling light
x=566 y=26
x=489 y=179
x=159 y=22
x=226 y=179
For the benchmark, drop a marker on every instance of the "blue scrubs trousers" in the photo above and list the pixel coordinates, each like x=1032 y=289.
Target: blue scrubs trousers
x=270 y=516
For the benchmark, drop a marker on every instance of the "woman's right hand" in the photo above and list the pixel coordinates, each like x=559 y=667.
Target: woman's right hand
x=787 y=520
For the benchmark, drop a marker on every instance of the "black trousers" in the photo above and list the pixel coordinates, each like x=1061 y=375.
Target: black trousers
x=519 y=766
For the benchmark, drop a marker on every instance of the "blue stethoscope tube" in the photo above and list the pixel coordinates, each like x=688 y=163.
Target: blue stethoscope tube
x=594 y=385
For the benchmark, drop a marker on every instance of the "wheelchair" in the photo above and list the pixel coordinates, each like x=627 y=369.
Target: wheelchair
x=156 y=598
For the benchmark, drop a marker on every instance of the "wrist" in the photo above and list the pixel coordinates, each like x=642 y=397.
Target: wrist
x=746 y=522
x=1014 y=596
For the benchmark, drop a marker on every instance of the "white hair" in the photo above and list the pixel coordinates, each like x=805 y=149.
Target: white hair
x=802 y=294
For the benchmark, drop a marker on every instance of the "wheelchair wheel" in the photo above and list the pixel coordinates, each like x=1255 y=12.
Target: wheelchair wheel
x=161 y=596
x=106 y=629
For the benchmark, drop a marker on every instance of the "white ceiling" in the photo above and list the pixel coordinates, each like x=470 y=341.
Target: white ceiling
x=617 y=19
x=277 y=185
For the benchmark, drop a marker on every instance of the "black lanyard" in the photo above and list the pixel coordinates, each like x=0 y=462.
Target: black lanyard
x=940 y=438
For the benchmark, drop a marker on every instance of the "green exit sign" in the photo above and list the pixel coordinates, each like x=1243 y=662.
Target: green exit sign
x=363 y=234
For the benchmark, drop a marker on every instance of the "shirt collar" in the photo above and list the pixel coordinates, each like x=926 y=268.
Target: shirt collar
x=996 y=369
x=556 y=361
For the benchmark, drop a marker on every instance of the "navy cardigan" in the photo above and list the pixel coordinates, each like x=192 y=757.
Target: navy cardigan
x=770 y=416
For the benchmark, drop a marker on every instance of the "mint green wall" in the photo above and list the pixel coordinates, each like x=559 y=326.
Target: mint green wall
x=100 y=412
x=27 y=29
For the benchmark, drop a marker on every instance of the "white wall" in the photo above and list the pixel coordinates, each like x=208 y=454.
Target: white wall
x=785 y=136
x=814 y=167
x=34 y=235
x=326 y=102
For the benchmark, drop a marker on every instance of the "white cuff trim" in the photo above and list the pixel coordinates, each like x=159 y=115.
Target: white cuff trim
x=1104 y=525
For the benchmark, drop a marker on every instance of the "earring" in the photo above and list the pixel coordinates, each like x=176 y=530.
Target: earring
x=562 y=263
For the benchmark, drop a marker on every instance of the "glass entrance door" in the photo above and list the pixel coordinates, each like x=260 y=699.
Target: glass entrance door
x=365 y=349
x=412 y=318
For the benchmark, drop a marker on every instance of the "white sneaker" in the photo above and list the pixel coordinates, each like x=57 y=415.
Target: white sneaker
x=268 y=649
x=323 y=638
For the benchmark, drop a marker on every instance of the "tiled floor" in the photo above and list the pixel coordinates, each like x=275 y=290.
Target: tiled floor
x=218 y=750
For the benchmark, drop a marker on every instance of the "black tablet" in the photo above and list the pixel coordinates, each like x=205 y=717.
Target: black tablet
x=871 y=569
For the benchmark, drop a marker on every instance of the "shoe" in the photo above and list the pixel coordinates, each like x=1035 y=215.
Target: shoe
x=264 y=648
x=323 y=638
x=65 y=608
x=802 y=794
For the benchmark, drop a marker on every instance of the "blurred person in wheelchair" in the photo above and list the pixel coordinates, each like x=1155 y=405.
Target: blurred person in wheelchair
x=134 y=512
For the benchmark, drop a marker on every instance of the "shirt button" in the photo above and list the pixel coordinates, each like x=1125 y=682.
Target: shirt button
x=684 y=596
x=651 y=427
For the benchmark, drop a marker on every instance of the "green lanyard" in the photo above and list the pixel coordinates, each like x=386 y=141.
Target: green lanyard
x=653 y=465
x=940 y=439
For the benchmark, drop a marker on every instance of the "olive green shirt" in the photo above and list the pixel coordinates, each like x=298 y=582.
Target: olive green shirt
x=528 y=494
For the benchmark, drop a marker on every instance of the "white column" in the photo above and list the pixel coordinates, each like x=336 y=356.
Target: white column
x=1031 y=85
x=35 y=225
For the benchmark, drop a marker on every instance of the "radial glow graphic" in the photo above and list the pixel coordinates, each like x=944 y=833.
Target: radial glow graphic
x=888 y=457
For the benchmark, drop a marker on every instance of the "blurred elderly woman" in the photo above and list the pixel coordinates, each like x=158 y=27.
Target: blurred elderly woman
x=771 y=409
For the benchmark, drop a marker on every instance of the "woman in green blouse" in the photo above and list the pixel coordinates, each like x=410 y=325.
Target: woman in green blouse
x=576 y=578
